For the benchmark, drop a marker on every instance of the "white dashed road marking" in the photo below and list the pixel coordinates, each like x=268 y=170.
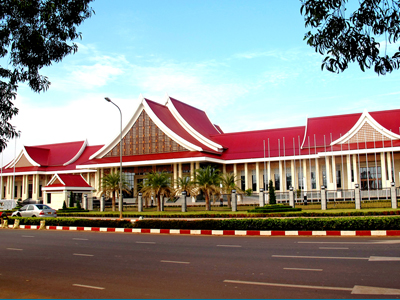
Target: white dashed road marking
x=79 y=239
x=14 y=249
x=232 y=246
x=89 y=286
x=145 y=242
x=302 y=269
x=81 y=254
x=175 y=262
x=357 y=289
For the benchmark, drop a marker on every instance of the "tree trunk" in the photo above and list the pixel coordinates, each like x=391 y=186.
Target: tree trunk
x=158 y=202
x=113 y=201
x=229 y=201
x=208 y=206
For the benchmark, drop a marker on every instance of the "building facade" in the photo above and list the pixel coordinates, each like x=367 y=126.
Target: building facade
x=336 y=152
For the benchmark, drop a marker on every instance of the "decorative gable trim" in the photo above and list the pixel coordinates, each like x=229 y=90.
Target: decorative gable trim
x=54 y=178
x=202 y=139
x=168 y=131
x=21 y=154
x=77 y=155
x=366 y=118
x=144 y=106
x=108 y=147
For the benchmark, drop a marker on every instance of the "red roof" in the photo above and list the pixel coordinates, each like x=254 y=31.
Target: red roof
x=52 y=157
x=195 y=117
x=69 y=180
x=250 y=144
x=54 y=154
x=165 y=116
x=339 y=125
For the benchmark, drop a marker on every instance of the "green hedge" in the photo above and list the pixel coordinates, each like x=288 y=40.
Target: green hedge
x=368 y=223
x=365 y=223
x=238 y=215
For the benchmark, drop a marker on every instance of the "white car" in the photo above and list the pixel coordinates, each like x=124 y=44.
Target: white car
x=35 y=210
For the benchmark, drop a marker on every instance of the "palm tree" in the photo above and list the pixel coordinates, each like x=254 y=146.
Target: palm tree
x=228 y=181
x=110 y=184
x=207 y=180
x=157 y=184
x=185 y=184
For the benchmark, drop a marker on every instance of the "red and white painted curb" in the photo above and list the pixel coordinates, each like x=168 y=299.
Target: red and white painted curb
x=226 y=232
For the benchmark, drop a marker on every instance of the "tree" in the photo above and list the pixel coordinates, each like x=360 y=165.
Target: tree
x=185 y=184
x=228 y=181
x=353 y=36
x=207 y=180
x=157 y=184
x=271 y=193
x=34 y=34
x=110 y=184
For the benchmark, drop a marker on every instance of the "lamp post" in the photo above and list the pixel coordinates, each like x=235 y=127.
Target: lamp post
x=120 y=160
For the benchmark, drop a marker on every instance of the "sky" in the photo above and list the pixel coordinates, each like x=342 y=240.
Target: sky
x=244 y=63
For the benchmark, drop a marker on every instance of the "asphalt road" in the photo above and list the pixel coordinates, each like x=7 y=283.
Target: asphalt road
x=65 y=264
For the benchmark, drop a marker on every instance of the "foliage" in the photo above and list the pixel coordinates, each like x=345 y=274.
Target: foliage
x=249 y=192
x=33 y=34
x=71 y=199
x=159 y=185
x=64 y=206
x=208 y=180
x=346 y=34
x=228 y=181
x=110 y=184
x=78 y=203
x=185 y=184
x=271 y=193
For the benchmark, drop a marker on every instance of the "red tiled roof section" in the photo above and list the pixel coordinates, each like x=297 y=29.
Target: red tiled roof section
x=335 y=125
x=250 y=144
x=195 y=117
x=54 y=154
x=165 y=116
x=388 y=119
x=71 y=181
x=341 y=124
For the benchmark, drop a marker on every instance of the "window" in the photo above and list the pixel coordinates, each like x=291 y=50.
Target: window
x=338 y=178
x=288 y=179
x=277 y=181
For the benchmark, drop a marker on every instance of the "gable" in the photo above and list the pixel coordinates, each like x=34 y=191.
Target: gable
x=23 y=162
x=366 y=130
x=367 y=133
x=145 y=137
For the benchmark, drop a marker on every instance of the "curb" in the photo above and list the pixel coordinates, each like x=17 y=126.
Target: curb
x=226 y=232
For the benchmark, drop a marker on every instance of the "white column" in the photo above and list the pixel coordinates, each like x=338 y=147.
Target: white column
x=293 y=172
x=281 y=177
x=317 y=181
x=246 y=177
x=350 y=185
x=389 y=167
x=192 y=170
x=258 y=177
x=305 y=177
x=180 y=170
x=334 y=187
x=383 y=170
x=235 y=170
x=328 y=173
x=175 y=174
x=355 y=169
x=269 y=177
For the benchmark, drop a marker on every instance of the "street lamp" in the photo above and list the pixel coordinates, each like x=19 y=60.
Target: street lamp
x=120 y=161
